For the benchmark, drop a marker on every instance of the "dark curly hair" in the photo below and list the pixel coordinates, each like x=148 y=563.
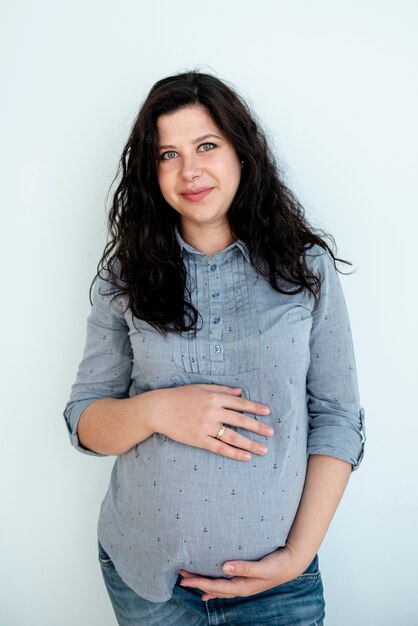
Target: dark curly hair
x=142 y=258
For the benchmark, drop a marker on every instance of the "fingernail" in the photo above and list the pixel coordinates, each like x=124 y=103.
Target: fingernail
x=262 y=450
x=266 y=410
x=268 y=431
x=229 y=568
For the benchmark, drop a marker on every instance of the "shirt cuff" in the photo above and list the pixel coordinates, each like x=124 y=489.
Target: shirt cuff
x=342 y=443
x=72 y=414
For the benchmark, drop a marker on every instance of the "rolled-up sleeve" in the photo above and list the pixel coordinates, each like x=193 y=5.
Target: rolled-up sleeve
x=336 y=417
x=106 y=367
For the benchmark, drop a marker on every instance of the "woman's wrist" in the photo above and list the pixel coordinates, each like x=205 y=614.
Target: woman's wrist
x=147 y=408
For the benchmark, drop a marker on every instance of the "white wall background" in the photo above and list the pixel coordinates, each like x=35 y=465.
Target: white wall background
x=335 y=83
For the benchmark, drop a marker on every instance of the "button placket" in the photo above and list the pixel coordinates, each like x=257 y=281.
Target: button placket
x=215 y=316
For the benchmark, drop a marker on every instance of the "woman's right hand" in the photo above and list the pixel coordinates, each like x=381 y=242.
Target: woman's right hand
x=193 y=415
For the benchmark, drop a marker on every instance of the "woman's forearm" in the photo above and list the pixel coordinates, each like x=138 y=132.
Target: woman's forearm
x=113 y=426
x=326 y=480
x=189 y=414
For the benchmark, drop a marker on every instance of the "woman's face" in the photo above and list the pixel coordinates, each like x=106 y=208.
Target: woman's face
x=199 y=170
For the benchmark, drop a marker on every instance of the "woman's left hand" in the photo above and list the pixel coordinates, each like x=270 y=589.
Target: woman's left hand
x=249 y=577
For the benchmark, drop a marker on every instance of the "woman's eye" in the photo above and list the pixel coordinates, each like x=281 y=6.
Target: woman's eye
x=205 y=147
x=167 y=156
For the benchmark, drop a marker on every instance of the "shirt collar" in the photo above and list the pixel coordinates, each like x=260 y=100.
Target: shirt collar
x=238 y=243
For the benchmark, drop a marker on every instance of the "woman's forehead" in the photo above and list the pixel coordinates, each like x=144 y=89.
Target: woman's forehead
x=188 y=123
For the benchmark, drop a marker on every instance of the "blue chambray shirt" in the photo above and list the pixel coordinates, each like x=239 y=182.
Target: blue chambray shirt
x=171 y=506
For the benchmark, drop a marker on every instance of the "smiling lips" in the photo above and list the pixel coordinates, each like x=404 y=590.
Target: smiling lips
x=196 y=195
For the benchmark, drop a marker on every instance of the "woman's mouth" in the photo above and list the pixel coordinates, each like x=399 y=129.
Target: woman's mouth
x=196 y=195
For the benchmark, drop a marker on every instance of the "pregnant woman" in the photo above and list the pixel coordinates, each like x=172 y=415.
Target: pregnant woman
x=219 y=369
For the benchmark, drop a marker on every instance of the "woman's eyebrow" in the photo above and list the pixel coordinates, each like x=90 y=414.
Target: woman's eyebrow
x=206 y=137
x=202 y=138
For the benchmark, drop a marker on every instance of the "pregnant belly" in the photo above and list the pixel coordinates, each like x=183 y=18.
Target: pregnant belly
x=198 y=508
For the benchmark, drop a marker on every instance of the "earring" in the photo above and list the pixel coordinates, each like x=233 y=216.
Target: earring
x=243 y=162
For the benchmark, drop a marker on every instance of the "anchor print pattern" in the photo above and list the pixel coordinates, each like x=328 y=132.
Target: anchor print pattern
x=254 y=337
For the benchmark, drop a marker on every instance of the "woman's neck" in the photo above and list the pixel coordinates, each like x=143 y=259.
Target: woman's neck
x=207 y=240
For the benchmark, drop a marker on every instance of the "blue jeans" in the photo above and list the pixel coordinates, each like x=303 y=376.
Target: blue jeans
x=299 y=602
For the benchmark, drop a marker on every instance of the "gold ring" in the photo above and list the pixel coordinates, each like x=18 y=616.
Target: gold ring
x=220 y=432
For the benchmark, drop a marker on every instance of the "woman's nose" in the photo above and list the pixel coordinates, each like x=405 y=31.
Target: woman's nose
x=190 y=168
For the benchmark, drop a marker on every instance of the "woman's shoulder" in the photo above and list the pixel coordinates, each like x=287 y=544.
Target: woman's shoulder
x=318 y=259
x=109 y=289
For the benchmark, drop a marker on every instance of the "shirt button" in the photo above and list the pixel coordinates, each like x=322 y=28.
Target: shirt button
x=213 y=268
x=215 y=294
x=217 y=349
x=216 y=320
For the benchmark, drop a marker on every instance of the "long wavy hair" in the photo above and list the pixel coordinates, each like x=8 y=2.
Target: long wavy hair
x=142 y=258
